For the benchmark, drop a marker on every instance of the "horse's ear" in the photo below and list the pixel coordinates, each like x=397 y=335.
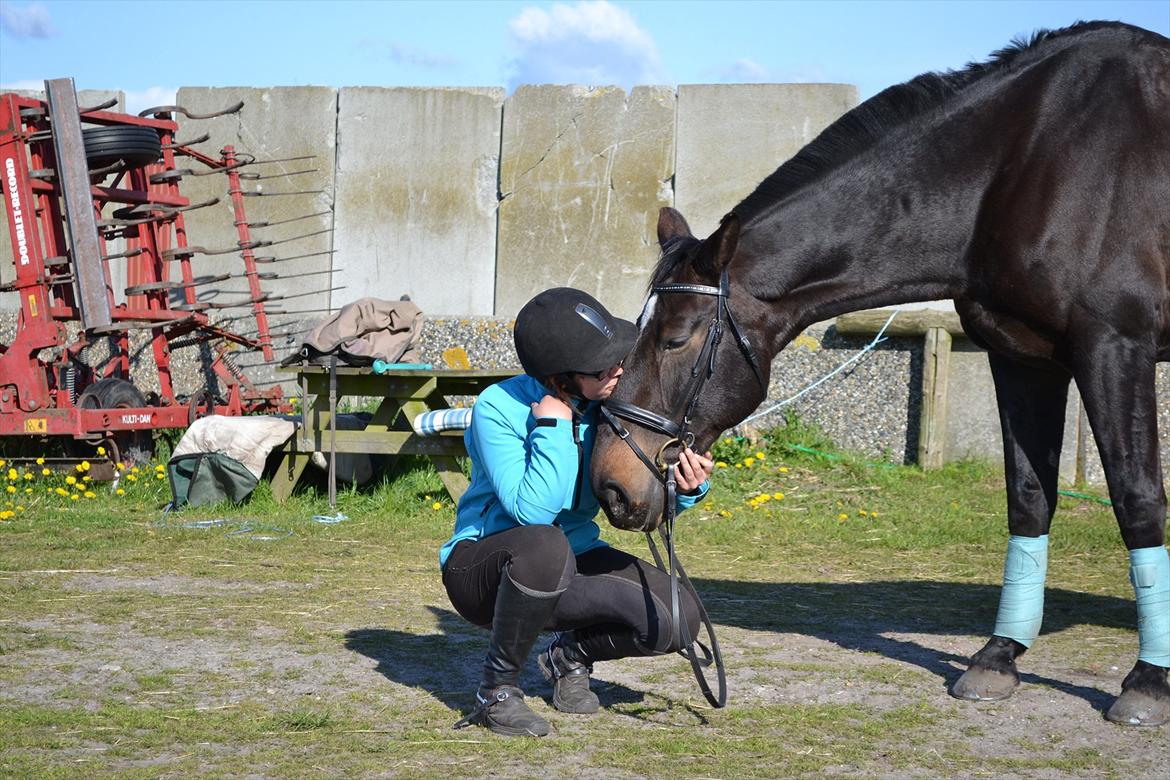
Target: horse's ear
x=722 y=243
x=671 y=225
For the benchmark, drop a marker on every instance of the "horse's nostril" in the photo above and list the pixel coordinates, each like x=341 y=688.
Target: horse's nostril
x=615 y=500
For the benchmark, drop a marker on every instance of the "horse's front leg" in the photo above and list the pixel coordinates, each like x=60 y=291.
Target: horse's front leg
x=1031 y=411
x=1117 y=384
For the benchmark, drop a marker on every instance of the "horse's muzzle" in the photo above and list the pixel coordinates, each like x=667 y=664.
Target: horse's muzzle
x=625 y=513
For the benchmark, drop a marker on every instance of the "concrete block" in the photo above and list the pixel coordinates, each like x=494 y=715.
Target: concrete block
x=732 y=136
x=583 y=173
x=274 y=124
x=417 y=171
x=86 y=98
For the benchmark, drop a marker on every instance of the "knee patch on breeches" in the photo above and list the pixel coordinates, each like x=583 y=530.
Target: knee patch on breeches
x=543 y=562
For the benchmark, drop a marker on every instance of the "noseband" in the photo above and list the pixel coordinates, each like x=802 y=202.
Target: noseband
x=680 y=434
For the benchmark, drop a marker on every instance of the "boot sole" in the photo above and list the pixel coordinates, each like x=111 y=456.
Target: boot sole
x=547 y=671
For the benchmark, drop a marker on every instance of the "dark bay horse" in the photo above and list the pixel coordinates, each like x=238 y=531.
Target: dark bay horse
x=1034 y=190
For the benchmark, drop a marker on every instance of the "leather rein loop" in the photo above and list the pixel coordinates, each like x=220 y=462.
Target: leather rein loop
x=680 y=434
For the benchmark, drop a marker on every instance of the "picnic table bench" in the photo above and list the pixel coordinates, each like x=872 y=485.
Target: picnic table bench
x=405 y=395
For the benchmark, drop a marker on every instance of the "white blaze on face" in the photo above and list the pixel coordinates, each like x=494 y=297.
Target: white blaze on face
x=647 y=312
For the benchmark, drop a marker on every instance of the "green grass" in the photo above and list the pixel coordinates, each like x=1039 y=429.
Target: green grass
x=229 y=641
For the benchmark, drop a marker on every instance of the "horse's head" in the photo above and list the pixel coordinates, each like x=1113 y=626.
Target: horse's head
x=676 y=357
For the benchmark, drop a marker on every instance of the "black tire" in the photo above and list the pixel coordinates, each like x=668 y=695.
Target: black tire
x=136 y=146
x=113 y=393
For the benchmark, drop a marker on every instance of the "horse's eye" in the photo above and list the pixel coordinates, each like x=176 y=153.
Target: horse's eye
x=675 y=343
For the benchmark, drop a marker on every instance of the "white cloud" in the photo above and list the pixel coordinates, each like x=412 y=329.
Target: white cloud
x=591 y=42
x=141 y=99
x=29 y=21
x=24 y=85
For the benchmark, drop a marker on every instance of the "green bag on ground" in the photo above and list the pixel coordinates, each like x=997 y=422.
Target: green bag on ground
x=208 y=478
x=222 y=458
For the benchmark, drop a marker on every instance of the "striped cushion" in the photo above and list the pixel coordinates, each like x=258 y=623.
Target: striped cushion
x=430 y=423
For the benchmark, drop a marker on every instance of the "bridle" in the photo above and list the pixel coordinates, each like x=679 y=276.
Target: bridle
x=680 y=434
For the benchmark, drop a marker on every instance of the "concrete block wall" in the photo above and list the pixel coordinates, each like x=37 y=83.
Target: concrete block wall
x=471 y=202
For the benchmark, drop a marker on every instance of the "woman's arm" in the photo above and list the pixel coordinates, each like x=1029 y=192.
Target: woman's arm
x=532 y=474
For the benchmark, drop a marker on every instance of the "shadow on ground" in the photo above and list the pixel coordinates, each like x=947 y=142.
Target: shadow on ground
x=854 y=616
x=857 y=616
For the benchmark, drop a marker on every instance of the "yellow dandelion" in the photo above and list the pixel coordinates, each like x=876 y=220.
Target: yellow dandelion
x=778 y=496
x=12 y=475
x=134 y=470
x=40 y=461
x=27 y=476
x=426 y=498
x=160 y=475
x=86 y=478
x=842 y=516
x=3 y=463
x=862 y=513
x=101 y=450
x=120 y=492
x=70 y=480
x=160 y=467
x=131 y=478
x=759 y=456
x=28 y=491
x=11 y=488
x=6 y=514
x=45 y=472
x=783 y=469
x=739 y=465
x=720 y=464
x=437 y=505
x=724 y=513
x=873 y=514
x=20 y=507
x=85 y=465
x=73 y=497
x=748 y=462
x=90 y=494
x=764 y=498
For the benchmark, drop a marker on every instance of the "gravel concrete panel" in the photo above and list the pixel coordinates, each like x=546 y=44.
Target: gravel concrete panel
x=417 y=172
x=86 y=98
x=732 y=136
x=274 y=124
x=583 y=173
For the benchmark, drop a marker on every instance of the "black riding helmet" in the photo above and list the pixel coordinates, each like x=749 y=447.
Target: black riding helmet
x=565 y=330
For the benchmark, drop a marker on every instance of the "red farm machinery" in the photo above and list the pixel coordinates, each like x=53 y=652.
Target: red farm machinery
x=84 y=189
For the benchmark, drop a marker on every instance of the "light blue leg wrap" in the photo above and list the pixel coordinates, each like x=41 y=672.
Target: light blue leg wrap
x=1149 y=571
x=1021 y=603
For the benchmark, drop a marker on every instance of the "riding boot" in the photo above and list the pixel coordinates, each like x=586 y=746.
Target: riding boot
x=520 y=615
x=570 y=677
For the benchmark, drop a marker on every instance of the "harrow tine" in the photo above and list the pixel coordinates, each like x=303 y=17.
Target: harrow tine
x=297 y=276
x=287 y=159
x=127 y=253
x=265 y=223
x=262 y=194
x=188 y=142
x=99 y=107
x=258 y=176
x=270 y=259
x=156 y=110
x=287 y=240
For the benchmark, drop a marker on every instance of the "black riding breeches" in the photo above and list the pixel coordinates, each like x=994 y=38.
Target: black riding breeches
x=607 y=592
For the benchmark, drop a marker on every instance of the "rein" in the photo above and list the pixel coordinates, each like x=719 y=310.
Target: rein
x=681 y=434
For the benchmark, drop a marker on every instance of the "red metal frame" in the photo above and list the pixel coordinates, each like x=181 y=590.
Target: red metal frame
x=37 y=394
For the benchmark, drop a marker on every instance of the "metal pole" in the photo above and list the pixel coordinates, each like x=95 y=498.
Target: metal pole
x=333 y=432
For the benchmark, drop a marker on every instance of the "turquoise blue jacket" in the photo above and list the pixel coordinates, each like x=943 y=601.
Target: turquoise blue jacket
x=526 y=471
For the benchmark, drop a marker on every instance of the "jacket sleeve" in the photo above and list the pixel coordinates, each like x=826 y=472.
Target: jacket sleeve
x=531 y=474
x=683 y=502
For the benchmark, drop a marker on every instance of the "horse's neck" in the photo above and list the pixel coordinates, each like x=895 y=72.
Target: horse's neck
x=881 y=230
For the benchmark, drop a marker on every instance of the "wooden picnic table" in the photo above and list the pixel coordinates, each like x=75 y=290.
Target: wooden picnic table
x=405 y=394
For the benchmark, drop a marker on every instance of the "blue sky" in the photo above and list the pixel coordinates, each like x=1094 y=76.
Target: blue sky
x=148 y=49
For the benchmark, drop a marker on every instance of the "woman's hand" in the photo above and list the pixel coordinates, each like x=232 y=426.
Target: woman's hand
x=692 y=470
x=551 y=406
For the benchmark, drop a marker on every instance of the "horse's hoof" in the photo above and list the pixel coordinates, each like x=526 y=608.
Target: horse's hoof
x=979 y=684
x=1134 y=708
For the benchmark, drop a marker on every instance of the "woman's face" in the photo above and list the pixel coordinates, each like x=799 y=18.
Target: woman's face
x=600 y=387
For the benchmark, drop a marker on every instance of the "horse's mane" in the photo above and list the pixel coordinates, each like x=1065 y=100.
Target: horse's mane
x=861 y=127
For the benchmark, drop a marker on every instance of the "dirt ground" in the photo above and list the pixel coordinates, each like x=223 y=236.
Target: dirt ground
x=211 y=645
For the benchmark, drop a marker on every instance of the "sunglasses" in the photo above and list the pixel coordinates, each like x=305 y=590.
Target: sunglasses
x=599 y=375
